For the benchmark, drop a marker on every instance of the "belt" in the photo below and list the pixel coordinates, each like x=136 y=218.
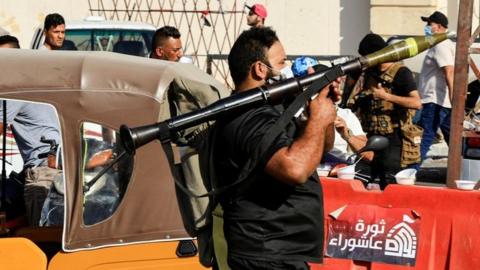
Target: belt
x=44 y=163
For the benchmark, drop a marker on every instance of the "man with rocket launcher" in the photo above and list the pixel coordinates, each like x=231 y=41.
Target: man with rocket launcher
x=136 y=137
x=271 y=94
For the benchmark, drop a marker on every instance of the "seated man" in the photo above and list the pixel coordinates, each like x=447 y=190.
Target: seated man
x=101 y=198
x=30 y=122
x=349 y=135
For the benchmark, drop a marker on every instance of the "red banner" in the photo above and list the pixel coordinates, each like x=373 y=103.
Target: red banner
x=374 y=234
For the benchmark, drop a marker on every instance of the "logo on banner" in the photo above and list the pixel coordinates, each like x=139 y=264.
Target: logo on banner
x=371 y=233
x=401 y=240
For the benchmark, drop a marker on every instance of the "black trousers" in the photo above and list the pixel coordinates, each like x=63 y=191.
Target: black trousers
x=386 y=163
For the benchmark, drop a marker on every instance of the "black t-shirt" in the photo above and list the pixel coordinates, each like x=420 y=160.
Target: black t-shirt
x=403 y=82
x=270 y=220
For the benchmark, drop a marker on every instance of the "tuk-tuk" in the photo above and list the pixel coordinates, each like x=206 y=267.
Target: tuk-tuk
x=93 y=93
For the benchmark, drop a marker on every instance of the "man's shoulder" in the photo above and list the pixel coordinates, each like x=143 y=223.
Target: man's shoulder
x=344 y=112
x=249 y=117
x=404 y=71
x=444 y=47
x=266 y=111
x=14 y=104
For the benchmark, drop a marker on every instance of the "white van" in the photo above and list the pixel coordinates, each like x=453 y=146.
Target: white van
x=98 y=34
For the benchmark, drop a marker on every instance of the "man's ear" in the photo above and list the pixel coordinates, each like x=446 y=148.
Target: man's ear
x=259 y=70
x=159 y=52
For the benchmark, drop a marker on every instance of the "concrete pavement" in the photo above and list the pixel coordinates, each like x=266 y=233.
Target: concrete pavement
x=434 y=169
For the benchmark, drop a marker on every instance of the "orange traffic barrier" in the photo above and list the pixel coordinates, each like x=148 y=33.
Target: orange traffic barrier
x=403 y=227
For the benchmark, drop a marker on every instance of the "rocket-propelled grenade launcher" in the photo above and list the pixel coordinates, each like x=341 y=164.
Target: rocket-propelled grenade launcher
x=132 y=138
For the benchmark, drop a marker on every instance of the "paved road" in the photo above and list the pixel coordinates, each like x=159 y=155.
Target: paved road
x=434 y=168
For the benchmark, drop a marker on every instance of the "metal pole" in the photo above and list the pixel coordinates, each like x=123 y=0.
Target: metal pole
x=464 y=30
x=4 y=156
x=209 y=64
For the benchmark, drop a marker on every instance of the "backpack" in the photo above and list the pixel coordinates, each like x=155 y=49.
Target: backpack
x=183 y=96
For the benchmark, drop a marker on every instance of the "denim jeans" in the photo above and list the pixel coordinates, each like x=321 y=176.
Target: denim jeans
x=433 y=116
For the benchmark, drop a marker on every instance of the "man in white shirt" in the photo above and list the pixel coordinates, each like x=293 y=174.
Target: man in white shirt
x=436 y=83
x=349 y=135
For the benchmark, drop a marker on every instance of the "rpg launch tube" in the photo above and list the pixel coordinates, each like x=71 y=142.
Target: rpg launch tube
x=136 y=137
x=395 y=52
x=403 y=49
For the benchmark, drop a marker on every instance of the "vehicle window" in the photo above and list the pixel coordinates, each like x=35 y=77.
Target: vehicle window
x=105 y=172
x=34 y=179
x=132 y=42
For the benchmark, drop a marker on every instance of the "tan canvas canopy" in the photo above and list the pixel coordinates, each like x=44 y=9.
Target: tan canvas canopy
x=111 y=90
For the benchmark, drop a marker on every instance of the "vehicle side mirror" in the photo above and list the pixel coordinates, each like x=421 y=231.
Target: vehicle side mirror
x=375 y=143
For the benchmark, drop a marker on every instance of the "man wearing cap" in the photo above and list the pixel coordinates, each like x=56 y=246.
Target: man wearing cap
x=382 y=100
x=257 y=15
x=436 y=83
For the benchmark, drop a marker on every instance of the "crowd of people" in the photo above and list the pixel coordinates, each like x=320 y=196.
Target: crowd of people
x=285 y=229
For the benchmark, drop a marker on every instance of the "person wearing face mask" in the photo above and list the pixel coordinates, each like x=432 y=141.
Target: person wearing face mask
x=276 y=221
x=276 y=75
x=384 y=99
x=436 y=83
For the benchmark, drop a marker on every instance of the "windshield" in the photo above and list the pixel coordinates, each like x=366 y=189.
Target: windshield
x=132 y=42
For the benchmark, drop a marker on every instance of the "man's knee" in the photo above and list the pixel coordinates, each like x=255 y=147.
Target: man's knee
x=37 y=185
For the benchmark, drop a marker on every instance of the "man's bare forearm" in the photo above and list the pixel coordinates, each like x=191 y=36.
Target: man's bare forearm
x=329 y=138
x=294 y=164
x=449 y=72
x=411 y=102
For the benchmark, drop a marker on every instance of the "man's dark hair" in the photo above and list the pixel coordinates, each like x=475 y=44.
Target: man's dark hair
x=163 y=33
x=53 y=20
x=371 y=43
x=7 y=39
x=251 y=46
